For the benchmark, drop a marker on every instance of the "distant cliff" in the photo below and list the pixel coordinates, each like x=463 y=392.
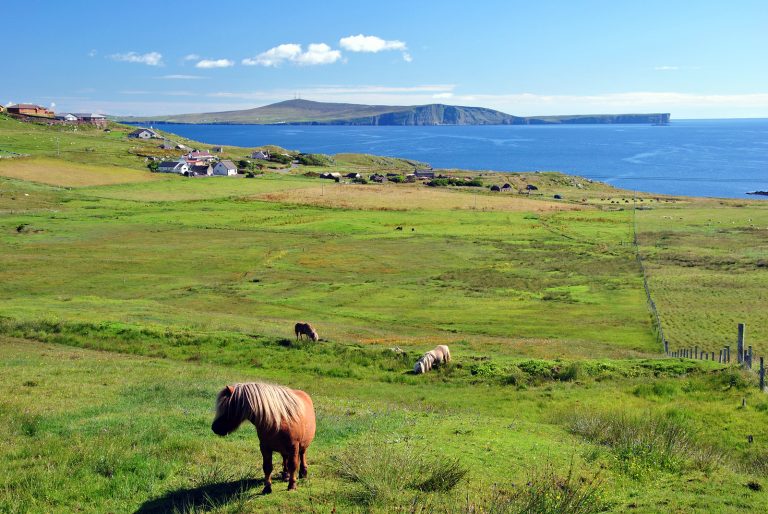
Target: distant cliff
x=305 y=112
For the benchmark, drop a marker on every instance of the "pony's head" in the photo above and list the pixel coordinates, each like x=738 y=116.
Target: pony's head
x=314 y=335
x=229 y=415
x=267 y=406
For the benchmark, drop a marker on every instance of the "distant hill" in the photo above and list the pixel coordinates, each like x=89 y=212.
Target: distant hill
x=306 y=112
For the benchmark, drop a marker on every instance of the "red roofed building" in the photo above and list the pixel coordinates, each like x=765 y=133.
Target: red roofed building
x=30 y=110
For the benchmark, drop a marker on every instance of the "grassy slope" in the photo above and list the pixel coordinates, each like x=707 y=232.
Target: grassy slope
x=230 y=267
x=95 y=431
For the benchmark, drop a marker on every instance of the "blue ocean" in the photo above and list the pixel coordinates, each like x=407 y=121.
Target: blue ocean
x=715 y=158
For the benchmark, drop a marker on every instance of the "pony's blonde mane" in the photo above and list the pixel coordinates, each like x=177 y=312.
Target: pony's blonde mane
x=266 y=405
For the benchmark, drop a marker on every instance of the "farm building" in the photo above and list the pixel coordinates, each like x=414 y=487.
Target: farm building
x=353 y=175
x=91 y=117
x=260 y=154
x=173 y=167
x=66 y=117
x=30 y=110
x=199 y=156
x=226 y=168
x=506 y=188
x=378 y=178
x=495 y=188
x=425 y=174
x=531 y=187
x=167 y=146
x=143 y=133
x=217 y=149
x=201 y=170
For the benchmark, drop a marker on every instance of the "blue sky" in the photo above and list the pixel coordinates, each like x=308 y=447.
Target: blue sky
x=696 y=59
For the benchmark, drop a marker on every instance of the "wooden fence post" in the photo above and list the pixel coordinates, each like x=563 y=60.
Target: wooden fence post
x=696 y=352
x=720 y=357
x=727 y=354
x=762 y=375
x=666 y=347
x=740 y=344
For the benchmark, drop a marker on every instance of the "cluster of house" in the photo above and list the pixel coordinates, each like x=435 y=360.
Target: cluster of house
x=198 y=163
x=37 y=111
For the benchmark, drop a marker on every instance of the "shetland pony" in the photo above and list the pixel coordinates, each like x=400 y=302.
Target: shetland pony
x=441 y=354
x=284 y=419
x=305 y=329
x=425 y=363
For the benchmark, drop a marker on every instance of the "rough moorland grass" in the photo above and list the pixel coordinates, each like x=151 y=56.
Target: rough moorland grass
x=644 y=443
x=490 y=277
x=387 y=472
x=97 y=431
x=707 y=265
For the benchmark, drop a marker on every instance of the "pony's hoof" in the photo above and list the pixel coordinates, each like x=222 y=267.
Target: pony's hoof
x=292 y=487
x=302 y=474
x=267 y=489
x=284 y=476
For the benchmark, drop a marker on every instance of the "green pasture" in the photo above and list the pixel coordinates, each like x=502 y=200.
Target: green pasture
x=93 y=431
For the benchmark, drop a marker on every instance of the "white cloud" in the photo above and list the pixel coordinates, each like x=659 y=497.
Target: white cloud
x=317 y=53
x=275 y=56
x=150 y=58
x=332 y=93
x=407 y=57
x=442 y=95
x=361 y=43
x=92 y=53
x=214 y=63
x=191 y=57
x=182 y=77
x=666 y=68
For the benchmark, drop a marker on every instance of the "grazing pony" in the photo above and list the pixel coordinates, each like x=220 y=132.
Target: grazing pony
x=425 y=363
x=305 y=329
x=284 y=419
x=441 y=354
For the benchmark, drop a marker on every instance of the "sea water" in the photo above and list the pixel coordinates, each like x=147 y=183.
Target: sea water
x=716 y=158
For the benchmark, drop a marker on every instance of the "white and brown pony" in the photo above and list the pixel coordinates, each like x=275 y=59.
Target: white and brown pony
x=305 y=329
x=284 y=419
x=440 y=355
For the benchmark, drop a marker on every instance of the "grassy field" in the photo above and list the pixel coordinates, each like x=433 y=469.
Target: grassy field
x=126 y=305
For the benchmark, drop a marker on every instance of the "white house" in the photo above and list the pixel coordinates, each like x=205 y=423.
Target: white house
x=173 y=167
x=260 y=154
x=66 y=117
x=226 y=168
x=143 y=133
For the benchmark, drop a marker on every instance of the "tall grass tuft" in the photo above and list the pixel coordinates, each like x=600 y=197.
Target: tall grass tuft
x=643 y=443
x=387 y=473
x=545 y=492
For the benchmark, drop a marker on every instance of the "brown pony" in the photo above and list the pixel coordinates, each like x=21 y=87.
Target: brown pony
x=284 y=420
x=305 y=329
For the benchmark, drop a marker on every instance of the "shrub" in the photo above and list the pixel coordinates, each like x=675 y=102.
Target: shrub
x=573 y=371
x=280 y=158
x=538 y=368
x=314 y=159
